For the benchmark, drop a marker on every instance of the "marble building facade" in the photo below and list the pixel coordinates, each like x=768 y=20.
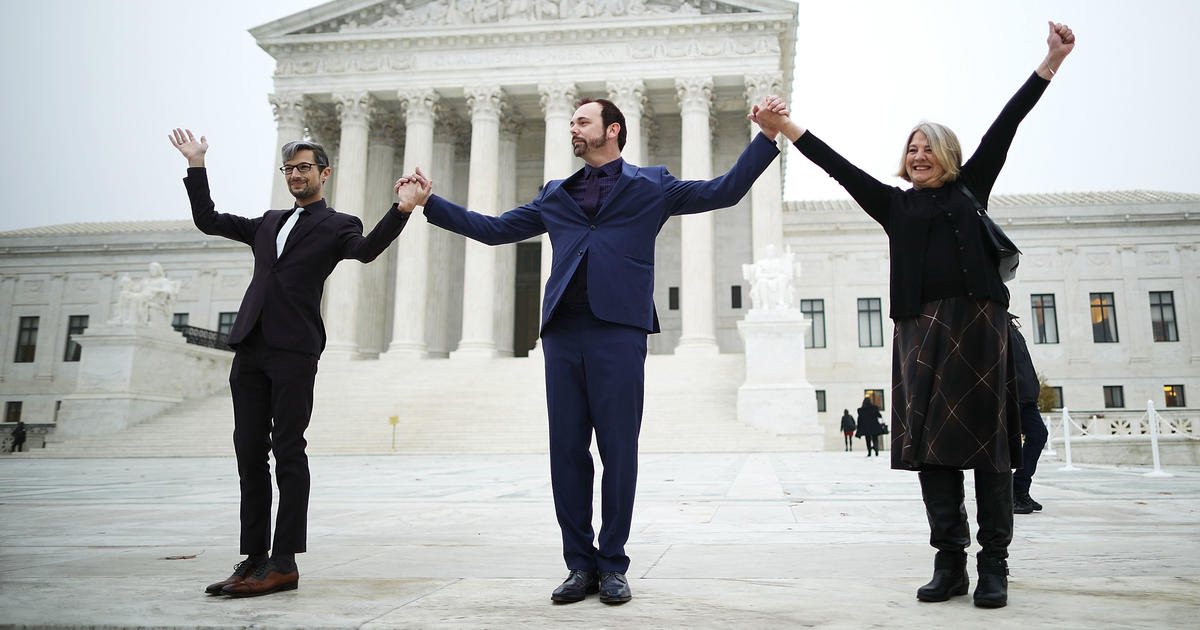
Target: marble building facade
x=479 y=94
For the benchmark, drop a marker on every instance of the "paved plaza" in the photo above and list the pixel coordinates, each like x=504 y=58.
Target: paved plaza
x=729 y=540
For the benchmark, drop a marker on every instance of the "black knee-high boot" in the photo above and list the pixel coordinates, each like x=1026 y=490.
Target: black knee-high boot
x=942 y=491
x=993 y=496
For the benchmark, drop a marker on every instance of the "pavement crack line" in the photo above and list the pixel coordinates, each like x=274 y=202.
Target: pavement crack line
x=411 y=601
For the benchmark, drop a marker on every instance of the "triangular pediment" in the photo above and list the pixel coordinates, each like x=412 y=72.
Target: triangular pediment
x=357 y=16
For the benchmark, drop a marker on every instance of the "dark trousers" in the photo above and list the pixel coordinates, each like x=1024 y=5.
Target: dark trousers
x=595 y=380
x=872 y=443
x=272 y=403
x=1034 y=430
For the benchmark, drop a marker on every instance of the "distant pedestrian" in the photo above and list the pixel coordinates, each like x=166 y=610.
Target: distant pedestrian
x=848 y=427
x=1033 y=428
x=18 y=436
x=868 y=425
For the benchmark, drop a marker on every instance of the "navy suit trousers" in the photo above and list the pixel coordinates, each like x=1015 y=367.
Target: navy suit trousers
x=595 y=381
x=1035 y=433
x=272 y=403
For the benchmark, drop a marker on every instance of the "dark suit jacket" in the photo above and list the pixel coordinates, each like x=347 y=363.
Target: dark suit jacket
x=619 y=242
x=285 y=292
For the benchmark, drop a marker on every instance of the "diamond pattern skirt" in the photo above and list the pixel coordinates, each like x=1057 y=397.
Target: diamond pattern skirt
x=954 y=389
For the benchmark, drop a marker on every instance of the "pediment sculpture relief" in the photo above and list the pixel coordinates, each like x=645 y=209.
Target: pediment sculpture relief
x=469 y=12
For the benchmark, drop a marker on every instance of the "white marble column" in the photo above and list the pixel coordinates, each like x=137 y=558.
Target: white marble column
x=8 y=289
x=766 y=196
x=697 y=299
x=375 y=286
x=479 y=262
x=1187 y=303
x=506 y=255
x=50 y=354
x=1074 y=311
x=412 y=256
x=558 y=156
x=1134 y=329
x=443 y=310
x=289 y=121
x=342 y=288
x=629 y=95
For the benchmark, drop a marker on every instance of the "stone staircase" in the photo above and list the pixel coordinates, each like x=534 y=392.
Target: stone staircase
x=454 y=406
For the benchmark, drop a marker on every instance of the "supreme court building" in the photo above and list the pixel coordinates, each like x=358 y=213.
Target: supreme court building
x=479 y=94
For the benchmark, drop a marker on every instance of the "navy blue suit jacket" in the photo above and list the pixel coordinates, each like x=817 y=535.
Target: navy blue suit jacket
x=619 y=242
x=285 y=291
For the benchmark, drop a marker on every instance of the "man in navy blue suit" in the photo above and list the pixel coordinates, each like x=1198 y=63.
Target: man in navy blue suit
x=598 y=308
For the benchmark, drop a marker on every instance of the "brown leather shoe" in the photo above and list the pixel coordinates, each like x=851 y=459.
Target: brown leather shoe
x=266 y=579
x=241 y=571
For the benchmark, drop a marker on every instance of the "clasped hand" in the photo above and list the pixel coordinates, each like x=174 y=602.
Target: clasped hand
x=412 y=190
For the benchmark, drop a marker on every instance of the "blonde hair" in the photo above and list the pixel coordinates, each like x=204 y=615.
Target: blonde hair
x=944 y=145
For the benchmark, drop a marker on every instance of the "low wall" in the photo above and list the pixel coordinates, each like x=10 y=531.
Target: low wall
x=131 y=373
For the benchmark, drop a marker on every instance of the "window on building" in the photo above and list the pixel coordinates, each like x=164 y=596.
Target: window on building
x=225 y=322
x=1057 y=394
x=876 y=396
x=1104 y=318
x=1174 y=395
x=1114 y=396
x=870 y=323
x=1162 y=315
x=76 y=324
x=735 y=296
x=820 y=401
x=1045 y=319
x=814 y=310
x=12 y=411
x=673 y=298
x=27 y=330
x=179 y=319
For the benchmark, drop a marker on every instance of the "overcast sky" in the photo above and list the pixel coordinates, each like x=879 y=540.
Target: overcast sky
x=93 y=87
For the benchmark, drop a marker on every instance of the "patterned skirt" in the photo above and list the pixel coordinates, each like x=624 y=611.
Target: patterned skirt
x=954 y=389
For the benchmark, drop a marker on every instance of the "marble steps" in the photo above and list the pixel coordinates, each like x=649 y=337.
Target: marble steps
x=455 y=406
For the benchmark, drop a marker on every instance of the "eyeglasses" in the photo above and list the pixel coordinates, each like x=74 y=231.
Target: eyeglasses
x=303 y=167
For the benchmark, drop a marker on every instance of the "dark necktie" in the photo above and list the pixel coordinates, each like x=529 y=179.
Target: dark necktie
x=591 y=191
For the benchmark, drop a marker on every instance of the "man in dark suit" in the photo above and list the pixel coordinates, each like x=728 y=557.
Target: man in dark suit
x=278 y=336
x=598 y=308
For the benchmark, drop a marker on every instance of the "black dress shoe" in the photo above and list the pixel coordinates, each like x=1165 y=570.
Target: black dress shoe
x=241 y=571
x=1023 y=505
x=578 y=585
x=614 y=588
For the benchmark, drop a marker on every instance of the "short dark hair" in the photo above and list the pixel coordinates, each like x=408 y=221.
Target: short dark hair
x=609 y=114
x=290 y=150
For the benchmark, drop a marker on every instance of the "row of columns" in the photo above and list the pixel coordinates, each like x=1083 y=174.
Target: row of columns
x=487 y=277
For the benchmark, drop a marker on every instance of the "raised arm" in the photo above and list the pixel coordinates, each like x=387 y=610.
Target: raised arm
x=873 y=195
x=204 y=213
x=979 y=172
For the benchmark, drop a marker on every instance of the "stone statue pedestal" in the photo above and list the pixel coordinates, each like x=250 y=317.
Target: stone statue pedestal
x=777 y=396
x=129 y=373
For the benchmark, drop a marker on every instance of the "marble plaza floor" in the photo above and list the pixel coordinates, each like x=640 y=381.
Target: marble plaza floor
x=742 y=540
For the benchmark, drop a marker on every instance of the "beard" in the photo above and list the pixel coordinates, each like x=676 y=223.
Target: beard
x=581 y=145
x=307 y=192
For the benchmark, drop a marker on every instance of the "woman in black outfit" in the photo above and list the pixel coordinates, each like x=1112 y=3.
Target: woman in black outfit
x=954 y=398
x=869 y=428
x=848 y=427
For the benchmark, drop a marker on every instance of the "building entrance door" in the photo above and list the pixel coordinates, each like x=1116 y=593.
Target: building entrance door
x=528 y=288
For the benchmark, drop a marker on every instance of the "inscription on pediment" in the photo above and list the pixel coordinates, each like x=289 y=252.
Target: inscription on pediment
x=402 y=14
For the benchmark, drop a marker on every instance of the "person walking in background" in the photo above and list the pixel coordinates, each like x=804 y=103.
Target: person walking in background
x=848 y=429
x=277 y=337
x=598 y=308
x=954 y=395
x=869 y=428
x=18 y=437
x=1033 y=428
